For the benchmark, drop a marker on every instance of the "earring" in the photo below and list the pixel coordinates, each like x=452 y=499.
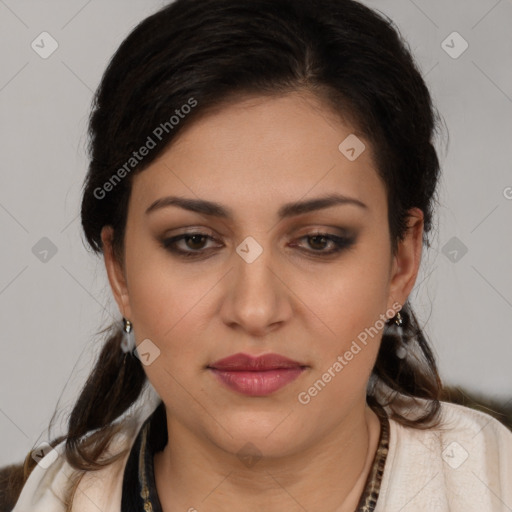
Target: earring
x=397 y=320
x=128 y=342
x=401 y=351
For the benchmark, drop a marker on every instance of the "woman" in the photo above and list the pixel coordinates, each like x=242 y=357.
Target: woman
x=261 y=185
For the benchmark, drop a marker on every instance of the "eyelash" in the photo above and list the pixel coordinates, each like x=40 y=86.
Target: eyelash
x=340 y=243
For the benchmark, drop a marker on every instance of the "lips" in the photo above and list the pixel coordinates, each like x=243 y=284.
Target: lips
x=256 y=376
x=245 y=362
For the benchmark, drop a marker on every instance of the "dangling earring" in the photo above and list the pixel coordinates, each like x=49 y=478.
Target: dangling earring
x=128 y=342
x=401 y=351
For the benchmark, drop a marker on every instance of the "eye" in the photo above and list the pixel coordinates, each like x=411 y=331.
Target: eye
x=193 y=245
x=192 y=240
x=320 y=240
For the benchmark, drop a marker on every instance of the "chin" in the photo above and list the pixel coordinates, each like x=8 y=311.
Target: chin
x=258 y=438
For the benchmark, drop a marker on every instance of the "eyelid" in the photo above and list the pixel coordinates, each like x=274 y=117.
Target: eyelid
x=341 y=243
x=326 y=229
x=341 y=232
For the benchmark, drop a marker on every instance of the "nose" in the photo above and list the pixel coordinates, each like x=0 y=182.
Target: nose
x=257 y=299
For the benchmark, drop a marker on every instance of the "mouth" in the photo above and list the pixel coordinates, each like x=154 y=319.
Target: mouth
x=256 y=376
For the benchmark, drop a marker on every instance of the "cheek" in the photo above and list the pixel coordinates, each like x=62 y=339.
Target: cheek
x=352 y=295
x=349 y=336
x=349 y=301
x=163 y=294
x=166 y=309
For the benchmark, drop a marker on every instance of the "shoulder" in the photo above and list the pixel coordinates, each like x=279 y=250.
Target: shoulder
x=53 y=483
x=464 y=464
x=11 y=482
x=47 y=486
x=470 y=428
x=467 y=427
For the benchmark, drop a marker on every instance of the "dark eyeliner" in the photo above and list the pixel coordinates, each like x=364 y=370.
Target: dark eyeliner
x=340 y=243
x=169 y=244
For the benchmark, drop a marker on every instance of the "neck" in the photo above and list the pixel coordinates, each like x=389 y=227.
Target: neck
x=329 y=475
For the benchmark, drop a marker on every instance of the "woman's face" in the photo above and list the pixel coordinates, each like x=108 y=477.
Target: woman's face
x=259 y=279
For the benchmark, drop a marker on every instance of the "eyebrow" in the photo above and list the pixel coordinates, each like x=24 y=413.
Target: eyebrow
x=287 y=210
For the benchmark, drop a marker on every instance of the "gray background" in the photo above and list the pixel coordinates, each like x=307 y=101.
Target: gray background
x=50 y=310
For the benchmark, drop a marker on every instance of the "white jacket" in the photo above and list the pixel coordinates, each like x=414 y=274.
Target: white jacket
x=465 y=468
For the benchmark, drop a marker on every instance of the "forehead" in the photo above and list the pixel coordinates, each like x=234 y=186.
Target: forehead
x=264 y=151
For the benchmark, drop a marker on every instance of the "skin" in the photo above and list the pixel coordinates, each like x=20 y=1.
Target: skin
x=252 y=157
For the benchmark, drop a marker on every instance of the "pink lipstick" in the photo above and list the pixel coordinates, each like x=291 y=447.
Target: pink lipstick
x=256 y=376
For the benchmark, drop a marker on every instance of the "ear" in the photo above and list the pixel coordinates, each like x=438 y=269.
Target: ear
x=406 y=261
x=115 y=273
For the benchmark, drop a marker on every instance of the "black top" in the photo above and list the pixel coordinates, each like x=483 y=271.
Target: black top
x=139 y=488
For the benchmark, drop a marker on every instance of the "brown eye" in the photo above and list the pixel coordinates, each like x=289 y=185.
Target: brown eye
x=194 y=242
x=319 y=241
x=193 y=246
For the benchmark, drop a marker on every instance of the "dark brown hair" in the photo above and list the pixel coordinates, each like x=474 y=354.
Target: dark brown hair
x=213 y=52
